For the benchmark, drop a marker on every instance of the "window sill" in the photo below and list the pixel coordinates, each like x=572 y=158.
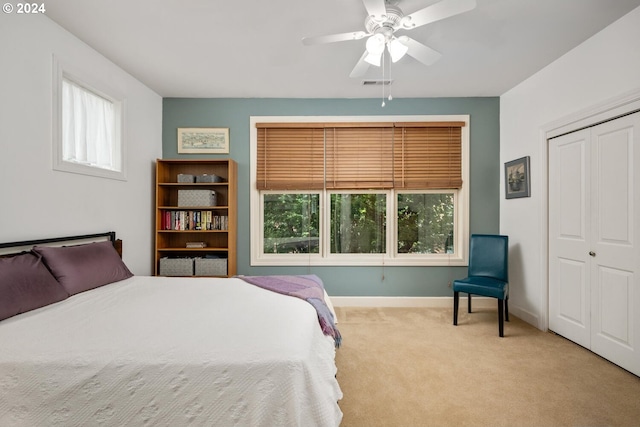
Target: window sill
x=63 y=166
x=358 y=261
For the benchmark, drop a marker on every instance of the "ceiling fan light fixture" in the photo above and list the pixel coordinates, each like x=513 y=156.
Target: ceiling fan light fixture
x=375 y=44
x=374 y=59
x=375 y=47
x=397 y=49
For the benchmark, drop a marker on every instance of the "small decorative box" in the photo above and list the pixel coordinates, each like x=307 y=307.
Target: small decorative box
x=176 y=267
x=208 y=178
x=196 y=245
x=185 y=177
x=210 y=266
x=196 y=198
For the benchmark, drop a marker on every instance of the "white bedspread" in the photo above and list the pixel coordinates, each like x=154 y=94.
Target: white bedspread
x=167 y=351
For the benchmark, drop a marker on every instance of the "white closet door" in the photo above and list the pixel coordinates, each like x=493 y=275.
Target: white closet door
x=615 y=237
x=569 y=222
x=594 y=239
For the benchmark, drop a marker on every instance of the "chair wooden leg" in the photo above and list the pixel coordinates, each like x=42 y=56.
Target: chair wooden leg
x=506 y=309
x=501 y=317
x=456 y=298
x=469 y=304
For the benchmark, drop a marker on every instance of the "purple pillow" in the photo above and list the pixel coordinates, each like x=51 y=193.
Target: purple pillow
x=83 y=267
x=26 y=284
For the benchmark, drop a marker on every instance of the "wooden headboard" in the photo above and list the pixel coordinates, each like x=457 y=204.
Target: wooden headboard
x=13 y=248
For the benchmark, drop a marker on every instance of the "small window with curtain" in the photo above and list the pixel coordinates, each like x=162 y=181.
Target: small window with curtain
x=360 y=193
x=88 y=129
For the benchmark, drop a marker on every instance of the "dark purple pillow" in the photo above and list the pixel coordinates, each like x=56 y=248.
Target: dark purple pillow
x=26 y=284
x=83 y=267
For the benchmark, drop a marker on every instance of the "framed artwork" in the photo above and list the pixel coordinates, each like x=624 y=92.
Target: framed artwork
x=517 y=182
x=203 y=140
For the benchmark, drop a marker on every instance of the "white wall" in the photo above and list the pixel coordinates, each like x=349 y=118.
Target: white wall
x=36 y=201
x=605 y=67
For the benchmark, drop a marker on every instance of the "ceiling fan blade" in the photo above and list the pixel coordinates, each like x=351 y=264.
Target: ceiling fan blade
x=436 y=12
x=361 y=67
x=422 y=53
x=375 y=8
x=332 y=38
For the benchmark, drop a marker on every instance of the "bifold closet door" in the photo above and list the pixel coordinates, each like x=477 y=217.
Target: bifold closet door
x=594 y=239
x=569 y=234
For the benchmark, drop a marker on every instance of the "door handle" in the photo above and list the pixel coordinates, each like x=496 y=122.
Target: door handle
x=591 y=253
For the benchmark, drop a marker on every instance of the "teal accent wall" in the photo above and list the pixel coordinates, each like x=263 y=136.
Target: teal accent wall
x=350 y=281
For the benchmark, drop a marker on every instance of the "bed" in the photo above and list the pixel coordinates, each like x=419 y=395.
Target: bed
x=165 y=351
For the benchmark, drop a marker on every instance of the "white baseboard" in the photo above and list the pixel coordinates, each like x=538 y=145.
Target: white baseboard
x=435 y=302
x=526 y=316
x=432 y=302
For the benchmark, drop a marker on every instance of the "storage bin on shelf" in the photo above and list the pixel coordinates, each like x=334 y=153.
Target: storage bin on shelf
x=210 y=266
x=188 y=198
x=176 y=266
x=208 y=178
x=185 y=177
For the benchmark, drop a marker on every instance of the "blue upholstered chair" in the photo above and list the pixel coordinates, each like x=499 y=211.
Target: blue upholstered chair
x=487 y=275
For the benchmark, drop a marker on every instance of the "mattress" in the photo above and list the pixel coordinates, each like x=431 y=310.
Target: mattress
x=167 y=351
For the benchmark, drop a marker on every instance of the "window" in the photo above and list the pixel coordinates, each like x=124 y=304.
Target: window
x=88 y=129
x=358 y=223
x=425 y=223
x=345 y=191
x=291 y=223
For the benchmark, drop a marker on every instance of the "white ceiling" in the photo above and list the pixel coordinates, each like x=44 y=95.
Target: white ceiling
x=253 y=48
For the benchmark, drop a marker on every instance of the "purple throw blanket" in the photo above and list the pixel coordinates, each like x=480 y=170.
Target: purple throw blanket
x=306 y=287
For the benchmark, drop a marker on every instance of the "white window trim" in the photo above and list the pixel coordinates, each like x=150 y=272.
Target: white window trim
x=60 y=72
x=391 y=258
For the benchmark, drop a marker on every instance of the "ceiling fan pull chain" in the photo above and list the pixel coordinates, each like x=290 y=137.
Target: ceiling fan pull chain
x=383 y=85
x=389 y=79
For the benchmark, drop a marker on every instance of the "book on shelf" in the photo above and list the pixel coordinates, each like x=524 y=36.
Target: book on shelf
x=182 y=220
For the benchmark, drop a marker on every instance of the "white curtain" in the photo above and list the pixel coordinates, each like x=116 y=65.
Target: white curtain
x=88 y=128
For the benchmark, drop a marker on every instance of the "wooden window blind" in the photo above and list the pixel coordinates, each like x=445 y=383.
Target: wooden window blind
x=428 y=157
x=314 y=156
x=290 y=158
x=359 y=157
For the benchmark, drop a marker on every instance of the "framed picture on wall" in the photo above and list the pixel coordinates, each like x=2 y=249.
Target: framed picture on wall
x=517 y=182
x=203 y=140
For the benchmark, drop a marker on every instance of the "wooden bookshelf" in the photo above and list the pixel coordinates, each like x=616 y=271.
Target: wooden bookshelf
x=177 y=225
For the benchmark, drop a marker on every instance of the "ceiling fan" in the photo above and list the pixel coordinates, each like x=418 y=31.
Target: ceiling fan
x=383 y=20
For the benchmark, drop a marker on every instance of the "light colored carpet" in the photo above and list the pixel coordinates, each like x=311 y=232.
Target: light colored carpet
x=412 y=367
